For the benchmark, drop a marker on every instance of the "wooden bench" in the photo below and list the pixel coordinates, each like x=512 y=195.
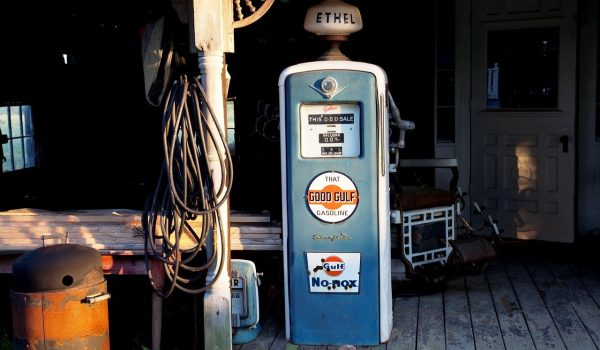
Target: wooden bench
x=117 y=234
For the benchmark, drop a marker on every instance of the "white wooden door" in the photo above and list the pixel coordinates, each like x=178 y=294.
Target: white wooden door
x=522 y=154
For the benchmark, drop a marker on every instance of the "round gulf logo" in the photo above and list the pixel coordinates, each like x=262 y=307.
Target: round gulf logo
x=333 y=265
x=332 y=197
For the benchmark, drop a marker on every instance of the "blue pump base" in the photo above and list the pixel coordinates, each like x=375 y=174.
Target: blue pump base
x=246 y=335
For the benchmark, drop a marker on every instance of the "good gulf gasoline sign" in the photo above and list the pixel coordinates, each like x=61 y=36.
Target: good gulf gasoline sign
x=332 y=197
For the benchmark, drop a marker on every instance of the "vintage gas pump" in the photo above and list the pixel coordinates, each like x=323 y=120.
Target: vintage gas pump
x=334 y=127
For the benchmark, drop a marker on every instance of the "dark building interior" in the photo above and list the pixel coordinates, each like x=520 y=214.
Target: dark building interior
x=79 y=66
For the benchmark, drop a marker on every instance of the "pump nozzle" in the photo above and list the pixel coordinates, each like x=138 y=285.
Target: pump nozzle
x=401 y=124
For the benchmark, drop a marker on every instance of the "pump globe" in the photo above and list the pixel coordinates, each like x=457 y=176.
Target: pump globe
x=333 y=17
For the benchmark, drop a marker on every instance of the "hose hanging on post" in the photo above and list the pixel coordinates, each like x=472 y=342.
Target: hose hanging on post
x=186 y=200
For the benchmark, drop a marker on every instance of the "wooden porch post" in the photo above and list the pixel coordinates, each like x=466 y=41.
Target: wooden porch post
x=211 y=35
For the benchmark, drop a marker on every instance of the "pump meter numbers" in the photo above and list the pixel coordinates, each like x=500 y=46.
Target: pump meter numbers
x=345 y=118
x=330 y=130
x=331 y=137
x=331 y=151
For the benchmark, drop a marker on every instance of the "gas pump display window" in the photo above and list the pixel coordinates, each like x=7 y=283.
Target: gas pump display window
x=330 y=130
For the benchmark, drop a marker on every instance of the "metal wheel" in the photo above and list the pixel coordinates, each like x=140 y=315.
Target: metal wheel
x=248 y=12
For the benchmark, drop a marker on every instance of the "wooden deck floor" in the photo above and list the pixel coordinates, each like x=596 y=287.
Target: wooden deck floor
x=544 y=297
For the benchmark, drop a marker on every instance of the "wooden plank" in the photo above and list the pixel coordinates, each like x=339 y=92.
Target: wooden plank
x=107 y=235
x=237 y=216
x=120 y=250
x=103 y=244
x=583 y=304
x=250 y=247
x=430 y=331
x=38 y=230
x=31 y=214
x=255 y=229
x=279 y=343
x=589 y=279
x=373 y=347
x=242 y=247
x=459 y=333
x=510 y=315
x=8 y=229
x=24 y=211
x=572 y=331
x=26 y=246
x=270 y=328
x=274 y=236
x=36 y=243
x=540 y=323
x=96 y=212
x=114 y=231
x=247 y=240
x=486 y=329
x=19 y=247
x=256 y=244
x=66 y=219
x=86 y=212
x=116 y=239
x=404 y=332
x=26 y=225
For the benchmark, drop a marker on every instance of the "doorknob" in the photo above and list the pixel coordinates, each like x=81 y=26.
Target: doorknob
x=564 y=140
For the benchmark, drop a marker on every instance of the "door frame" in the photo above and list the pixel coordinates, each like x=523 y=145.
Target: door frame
x=471 y=98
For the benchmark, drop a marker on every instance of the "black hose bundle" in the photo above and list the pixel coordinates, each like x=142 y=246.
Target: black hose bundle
x=186 y=199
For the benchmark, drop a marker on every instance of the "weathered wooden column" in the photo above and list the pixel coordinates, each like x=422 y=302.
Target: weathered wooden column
x=212 y=36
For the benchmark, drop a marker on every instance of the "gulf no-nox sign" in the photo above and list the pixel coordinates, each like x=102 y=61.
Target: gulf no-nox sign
x=333 y=272
x=332 y=197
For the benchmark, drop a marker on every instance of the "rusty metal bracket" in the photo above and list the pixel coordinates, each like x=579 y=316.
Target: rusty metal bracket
x=95 y=298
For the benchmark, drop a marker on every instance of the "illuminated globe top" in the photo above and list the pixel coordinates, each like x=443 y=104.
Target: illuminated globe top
x=333 y=17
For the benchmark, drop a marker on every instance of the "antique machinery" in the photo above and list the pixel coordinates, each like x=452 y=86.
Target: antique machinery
x=334 y=123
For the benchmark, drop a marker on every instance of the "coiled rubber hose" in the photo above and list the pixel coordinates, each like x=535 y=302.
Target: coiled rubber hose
x=186 y=200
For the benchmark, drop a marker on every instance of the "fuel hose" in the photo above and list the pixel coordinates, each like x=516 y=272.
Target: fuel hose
x=182 y=212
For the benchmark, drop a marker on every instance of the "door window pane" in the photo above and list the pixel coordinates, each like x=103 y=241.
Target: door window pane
x=8 y=163
x=27 y=122
x=15 y=122
x=29 y=152
x=523 y=68
x=445 y=125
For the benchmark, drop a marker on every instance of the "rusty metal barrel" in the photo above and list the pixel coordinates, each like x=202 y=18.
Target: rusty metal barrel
x=59 y=299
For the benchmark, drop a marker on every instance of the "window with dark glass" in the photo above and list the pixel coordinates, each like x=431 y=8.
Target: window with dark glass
x=444 y=69
x=598 y=84
x=523 y=68
x=16 y=129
